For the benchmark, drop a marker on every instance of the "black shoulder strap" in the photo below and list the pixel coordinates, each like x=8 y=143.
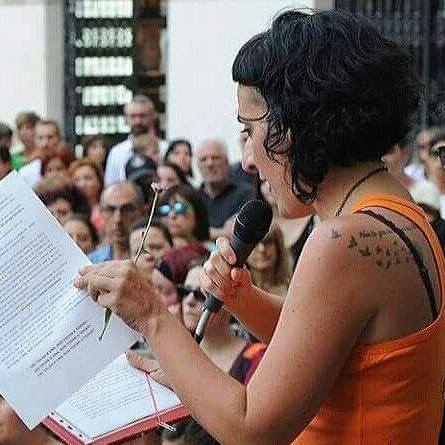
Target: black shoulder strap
x=417 y=258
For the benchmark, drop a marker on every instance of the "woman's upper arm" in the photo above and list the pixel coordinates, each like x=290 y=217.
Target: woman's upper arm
x=326 y=309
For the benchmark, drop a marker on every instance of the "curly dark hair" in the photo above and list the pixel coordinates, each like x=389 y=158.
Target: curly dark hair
x=342 y=92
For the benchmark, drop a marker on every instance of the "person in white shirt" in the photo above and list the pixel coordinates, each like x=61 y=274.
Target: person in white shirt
x=47 y=136
x=141 y=116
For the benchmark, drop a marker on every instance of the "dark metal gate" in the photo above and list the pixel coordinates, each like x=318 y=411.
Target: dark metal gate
x=112 y=51
x=420 y=26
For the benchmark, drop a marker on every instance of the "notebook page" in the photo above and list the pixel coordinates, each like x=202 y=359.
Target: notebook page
x=116 y=397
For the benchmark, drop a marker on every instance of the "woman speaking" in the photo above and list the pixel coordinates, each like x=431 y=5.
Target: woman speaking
x=356 y=350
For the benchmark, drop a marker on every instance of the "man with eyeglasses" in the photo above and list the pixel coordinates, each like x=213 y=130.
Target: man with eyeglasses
x=121 y=205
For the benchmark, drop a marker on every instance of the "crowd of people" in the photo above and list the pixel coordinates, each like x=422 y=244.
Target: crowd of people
x=103 y=200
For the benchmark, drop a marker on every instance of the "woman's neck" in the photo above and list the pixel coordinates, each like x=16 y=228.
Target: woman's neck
x=339 y=182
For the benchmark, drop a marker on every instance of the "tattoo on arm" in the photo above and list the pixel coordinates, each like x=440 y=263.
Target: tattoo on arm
x=384 y=257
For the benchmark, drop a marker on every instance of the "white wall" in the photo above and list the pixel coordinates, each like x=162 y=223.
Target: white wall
x=203 y=39
x=31 y=48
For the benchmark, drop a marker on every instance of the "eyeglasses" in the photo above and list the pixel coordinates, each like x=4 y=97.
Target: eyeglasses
x=439 y=150
x=125 y=209
x=185 y=291
x=178 y=208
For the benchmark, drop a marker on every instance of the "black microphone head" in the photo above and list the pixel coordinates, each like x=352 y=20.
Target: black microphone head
x=253 y=221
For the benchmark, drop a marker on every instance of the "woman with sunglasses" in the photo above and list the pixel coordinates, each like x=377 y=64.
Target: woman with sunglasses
x=356 y=349
x=183 y=212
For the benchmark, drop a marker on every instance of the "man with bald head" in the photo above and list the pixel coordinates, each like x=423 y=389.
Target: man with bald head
x=222 y=196
x=140 y=115
x=121 y=204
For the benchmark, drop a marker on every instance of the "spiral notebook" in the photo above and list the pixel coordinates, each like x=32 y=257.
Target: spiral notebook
x=117 y=404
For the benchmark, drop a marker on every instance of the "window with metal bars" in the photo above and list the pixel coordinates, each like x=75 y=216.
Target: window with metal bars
x=112 y=51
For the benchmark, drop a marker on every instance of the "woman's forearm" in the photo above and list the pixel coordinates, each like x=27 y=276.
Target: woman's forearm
x=214 y=398
x=261 y=321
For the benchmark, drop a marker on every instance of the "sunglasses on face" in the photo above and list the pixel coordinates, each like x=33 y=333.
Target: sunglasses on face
x=178 y=208
x=185 y=291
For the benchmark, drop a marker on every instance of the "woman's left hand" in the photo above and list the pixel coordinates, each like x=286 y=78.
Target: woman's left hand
x=148 y=365
x=120 y=286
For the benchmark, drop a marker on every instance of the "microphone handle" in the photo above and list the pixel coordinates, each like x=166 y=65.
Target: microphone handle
x=212 y=305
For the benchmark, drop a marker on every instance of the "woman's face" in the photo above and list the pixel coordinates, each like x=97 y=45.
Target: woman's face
x=55 y=167
x=180 y=219
x=81 y=235
x=167 y=177
x=180 y=156
x=251 y=109
x=191 y=306
x=264 y=256
x=86 y=180
x=97 y=152
x=61 y=209
x=155 y=243
x=166 y=290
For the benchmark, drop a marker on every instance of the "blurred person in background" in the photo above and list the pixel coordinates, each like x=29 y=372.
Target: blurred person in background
x=397 y=160
x=148 y=145
x=170 y=175
x=141 y=170
x=47 y=137
x=140 y=115
x=25 y=123
x=5 y=162
x=96 y=149
x=87 y=176
x=183 y=212
x=170 y=272
x=63 y=201
x=434 y=166
x=83 y=233
x=179 y=152
x=223 y=197
x=5 y=135
x=269 y=263
x=58 y=163
x=14 y=432
x=157 y=242
x=121 y=204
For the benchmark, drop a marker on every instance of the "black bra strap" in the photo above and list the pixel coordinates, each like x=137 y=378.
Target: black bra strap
x=417 y=258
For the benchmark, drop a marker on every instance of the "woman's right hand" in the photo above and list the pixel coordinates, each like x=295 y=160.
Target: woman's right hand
x=220 y=278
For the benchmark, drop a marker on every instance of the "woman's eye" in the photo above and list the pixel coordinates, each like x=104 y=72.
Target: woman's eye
x=246 y=131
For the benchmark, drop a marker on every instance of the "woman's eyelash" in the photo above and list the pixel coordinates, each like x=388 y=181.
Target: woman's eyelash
x=246 y=130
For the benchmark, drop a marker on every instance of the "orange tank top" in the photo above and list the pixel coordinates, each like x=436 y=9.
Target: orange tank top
x=389 y=393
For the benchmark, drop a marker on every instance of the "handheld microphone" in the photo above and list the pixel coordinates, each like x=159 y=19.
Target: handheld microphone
x=251 y=225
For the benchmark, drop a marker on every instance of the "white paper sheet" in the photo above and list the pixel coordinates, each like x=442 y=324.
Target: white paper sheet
x=49 y=331
x=116 y=397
